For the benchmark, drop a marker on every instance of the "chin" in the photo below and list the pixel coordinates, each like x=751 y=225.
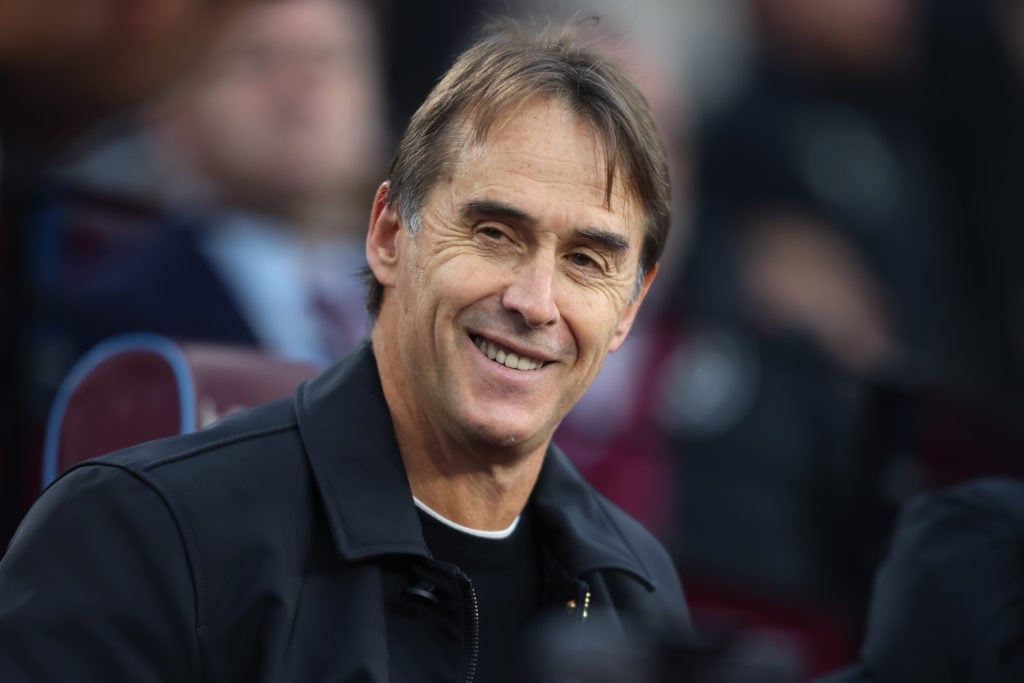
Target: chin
x=495 y=421
x=503 y=435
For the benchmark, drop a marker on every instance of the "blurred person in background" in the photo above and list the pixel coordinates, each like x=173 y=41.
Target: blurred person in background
x=273 y=143
x=818 y=270
x=853 y=292
x=946 y=600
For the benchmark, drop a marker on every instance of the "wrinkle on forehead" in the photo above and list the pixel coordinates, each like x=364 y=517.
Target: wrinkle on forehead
x=481 y=125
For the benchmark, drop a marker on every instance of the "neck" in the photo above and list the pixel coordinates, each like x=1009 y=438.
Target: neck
x=477 y=485
x=479 y=498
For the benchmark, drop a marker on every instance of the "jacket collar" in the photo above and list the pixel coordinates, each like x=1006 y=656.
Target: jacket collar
x=350 y=442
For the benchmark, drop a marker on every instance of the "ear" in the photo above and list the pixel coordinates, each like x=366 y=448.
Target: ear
x=626 y=323
x=381 y=241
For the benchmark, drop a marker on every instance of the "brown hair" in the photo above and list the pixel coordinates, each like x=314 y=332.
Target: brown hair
x=507 y=67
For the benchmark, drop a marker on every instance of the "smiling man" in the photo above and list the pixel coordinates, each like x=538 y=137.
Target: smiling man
x=406 y=517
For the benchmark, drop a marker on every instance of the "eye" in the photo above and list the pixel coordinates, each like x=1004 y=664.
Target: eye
x=582 y=260
x=492 y=232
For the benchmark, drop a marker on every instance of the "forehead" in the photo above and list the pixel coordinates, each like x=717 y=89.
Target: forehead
x=541 y=153
x=301 y=23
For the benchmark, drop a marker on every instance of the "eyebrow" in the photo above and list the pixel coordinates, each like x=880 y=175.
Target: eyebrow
x=489 y=208
x=611 y=241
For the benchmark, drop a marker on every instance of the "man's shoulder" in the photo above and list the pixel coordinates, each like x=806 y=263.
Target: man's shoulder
x=248 y=434
x=253 y=457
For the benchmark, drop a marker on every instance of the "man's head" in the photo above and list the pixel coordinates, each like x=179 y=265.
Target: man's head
x=509 y=67
x=520 y=231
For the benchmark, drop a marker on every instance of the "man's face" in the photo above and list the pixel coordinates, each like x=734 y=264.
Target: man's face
x=520 y=281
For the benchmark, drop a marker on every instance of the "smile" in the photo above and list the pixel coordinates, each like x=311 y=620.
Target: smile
x=506 y=357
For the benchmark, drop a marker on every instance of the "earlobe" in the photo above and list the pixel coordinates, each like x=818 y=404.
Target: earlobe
x=626 y=323
x=381 y=240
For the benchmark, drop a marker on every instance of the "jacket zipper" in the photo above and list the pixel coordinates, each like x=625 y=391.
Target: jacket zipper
x=473 y=618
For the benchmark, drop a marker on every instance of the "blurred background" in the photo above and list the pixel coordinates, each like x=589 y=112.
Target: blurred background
x=839 y=319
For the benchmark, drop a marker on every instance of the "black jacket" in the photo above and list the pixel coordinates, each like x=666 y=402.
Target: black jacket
x=282 y=544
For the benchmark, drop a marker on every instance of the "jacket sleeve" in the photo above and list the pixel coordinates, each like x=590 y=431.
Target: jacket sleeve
x=96 y=586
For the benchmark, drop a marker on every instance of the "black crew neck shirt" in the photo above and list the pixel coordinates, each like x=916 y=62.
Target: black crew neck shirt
x=506 y=576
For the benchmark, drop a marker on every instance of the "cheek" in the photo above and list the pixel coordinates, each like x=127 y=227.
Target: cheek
x=593 y=318
x=462 y=277
x=435 y=286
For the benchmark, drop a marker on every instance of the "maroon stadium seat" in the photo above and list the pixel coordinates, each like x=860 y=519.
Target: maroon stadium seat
x=138 y=387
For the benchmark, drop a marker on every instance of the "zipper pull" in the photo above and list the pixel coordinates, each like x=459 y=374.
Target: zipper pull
x=571 y=605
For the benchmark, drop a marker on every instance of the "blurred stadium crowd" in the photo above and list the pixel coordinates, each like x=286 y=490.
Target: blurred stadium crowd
x=837 y=327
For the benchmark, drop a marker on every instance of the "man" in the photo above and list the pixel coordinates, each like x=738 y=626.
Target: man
x=406 y=516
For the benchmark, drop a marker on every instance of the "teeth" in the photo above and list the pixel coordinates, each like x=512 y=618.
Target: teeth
x=507 y=358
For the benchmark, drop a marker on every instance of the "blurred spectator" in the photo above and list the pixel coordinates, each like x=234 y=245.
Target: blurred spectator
x=818 y=272
x=270 y=143
x=277 y=142
x=852 y=295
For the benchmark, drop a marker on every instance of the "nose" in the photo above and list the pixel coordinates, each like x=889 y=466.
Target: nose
x=531 y=293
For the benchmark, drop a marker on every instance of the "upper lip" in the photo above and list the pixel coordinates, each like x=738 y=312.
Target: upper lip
x=516 y=349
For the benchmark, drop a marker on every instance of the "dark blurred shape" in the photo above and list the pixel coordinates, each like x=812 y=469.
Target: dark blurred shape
x=947 y=600
x=817 y=268
x=66 y=65
x=424 y=39
x=973 y=115
x=566 y=655
x=816 y=273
